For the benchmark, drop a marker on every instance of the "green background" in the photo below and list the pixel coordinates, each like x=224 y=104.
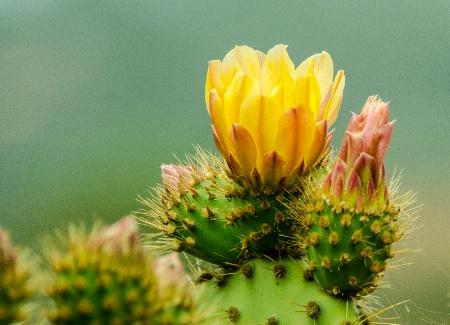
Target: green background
x=95 y=95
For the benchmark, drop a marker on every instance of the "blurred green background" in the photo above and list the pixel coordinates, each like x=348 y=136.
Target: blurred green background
x=95 y=95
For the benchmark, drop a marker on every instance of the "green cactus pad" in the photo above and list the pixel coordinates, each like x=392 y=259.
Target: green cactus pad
x=276 y=293
x=92 y=286
x=220 y=221
x=106 y=278
x=349 y=250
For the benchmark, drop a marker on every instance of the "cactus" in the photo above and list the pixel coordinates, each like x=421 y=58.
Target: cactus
x=15 y=288
x=349 y=249
x=276 y=231
x=352 y=220
x=249 y=222
x=281 y=232
x=242 y=260
x=265 y=291
x=106 y=278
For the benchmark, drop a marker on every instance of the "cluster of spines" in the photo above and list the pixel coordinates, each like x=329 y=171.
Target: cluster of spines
x=15 y=288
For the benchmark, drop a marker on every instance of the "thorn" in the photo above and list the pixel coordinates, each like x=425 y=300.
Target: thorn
x=265 y=205
x=324 y=222
x=334 y=238
x=208 y=213
x=326 y=263
x=188 y=223
x=279 y=271
x=254 y=236
x=375 y=227
x=266 y=229
x=366 y=253
x=189 y=242
x=249 y=209
x=279 y=217
x=346 y=220
x=232 y=314
x=314 y=238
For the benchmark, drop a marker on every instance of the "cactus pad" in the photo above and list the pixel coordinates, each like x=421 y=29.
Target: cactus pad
x=218 y=220
x=277 y=293
x=349 y=250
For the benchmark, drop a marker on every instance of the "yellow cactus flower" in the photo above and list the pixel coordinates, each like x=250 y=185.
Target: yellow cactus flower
x=270 y=119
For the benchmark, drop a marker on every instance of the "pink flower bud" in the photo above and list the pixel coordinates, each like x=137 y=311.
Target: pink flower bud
x=366 y=140
x=178 y=178
x=120 y=238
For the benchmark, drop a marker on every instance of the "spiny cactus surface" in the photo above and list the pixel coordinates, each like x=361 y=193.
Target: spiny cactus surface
x=15 y=289
x=264 y=291
x=215 y=218
x=106 y=278
x=349 y=250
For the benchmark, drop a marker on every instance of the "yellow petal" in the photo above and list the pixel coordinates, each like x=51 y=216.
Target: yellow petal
x=260 y=118
x=272 y=171
x=244 y=148
x=306 y=93
x=318 y=145
x=261 y=57
x=277 y=69
x=218 y=118
x=234 y=165
x=240 y=88
x=332 y=108
x=248 y=60
x=213 y=80
x=228 y=68
x=219 y=145
x=321 y=66
x=251 y=117
x=296 y=131
x=273 y=108
x=297 y=172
